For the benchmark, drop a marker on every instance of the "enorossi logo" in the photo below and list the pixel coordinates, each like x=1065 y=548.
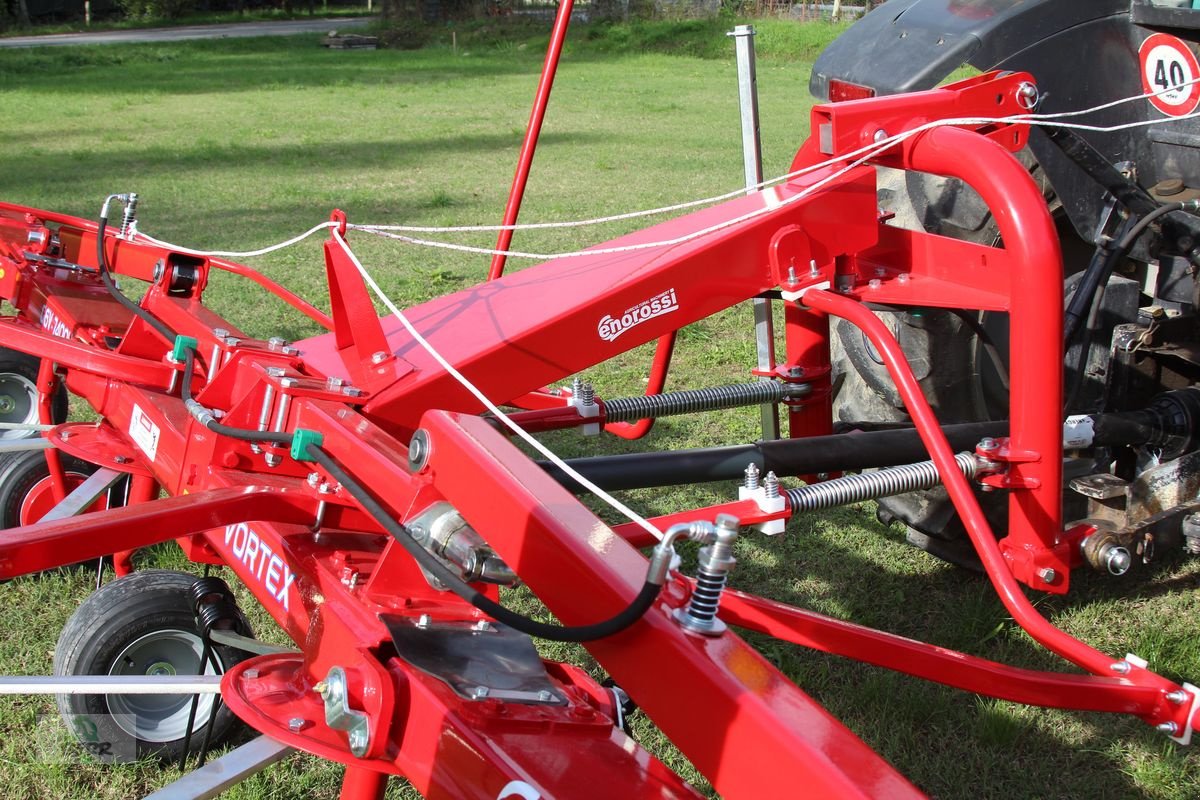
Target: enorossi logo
x=610 y=328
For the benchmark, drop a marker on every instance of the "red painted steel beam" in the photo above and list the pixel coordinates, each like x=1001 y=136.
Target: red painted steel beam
x=1035 y=331
x=47 y=545
x=965 y=502
x=742 y=723
x=938 y=664
x=17 y=335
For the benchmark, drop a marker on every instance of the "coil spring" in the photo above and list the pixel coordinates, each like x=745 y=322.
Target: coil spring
x=624 y=409
x=706 y=597
x=873 y=485
x=1191 y=545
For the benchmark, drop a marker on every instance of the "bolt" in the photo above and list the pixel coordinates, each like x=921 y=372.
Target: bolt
x=987 y=443
x=296 y=724
x=1169 y=728
x=291 y=351
x=273 y=460
x=880 y=135
x=334 y=383
x=379 y=357
x=251 y=673
x=64 y=435
x=792 y=277
x=481 y=626
x=350 y=391
x=232 y=341
x=313 y=479
x=1177 y=697
x=1027 y=95
x=220 y=333
x=874 y=283
x=276 y=342
x=795 y=372
x=576 y=386
x=423 y=621
x=276 y=372
x=1047 y=575
x=1120 y=667
x=545 y=696
x=752 y=476
x=122 y=459
x=324 y=488
x=358 y=742
x=321 y=687
x=1118 y=560
x=772 y=485
x=479 y=692
x=813 y=272
x=589 y=394
x=903 y=277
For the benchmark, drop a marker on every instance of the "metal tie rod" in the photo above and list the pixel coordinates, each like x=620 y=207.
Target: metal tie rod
x=227 y=771
x=83 y=495
x=111 y=684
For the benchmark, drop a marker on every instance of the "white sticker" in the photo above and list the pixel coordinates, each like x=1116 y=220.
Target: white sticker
x=144 y=432
x=1169 y=69
x=1078 y=431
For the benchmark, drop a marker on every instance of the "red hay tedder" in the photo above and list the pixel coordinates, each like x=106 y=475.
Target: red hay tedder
x=374 y=503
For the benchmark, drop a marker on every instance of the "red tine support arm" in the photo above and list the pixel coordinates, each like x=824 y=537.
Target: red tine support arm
x=557 y=36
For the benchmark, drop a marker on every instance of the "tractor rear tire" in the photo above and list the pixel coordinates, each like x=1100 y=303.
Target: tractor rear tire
x=141 y=624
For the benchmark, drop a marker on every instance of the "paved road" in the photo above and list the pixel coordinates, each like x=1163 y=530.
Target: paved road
x=239 y=29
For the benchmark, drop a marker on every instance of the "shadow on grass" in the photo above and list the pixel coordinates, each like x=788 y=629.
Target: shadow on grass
x=242 y=65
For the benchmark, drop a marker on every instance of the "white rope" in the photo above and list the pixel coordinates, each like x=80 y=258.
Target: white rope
x=470 y=387
x=237 y=254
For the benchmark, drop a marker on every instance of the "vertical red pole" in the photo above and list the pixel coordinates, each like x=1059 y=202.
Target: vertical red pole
x=808 y=361
x=557 y=36
x=142 y=489
x=47 y=382
x=363 y=784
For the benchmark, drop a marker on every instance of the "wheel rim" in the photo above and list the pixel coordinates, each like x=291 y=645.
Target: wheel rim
x=40 y=498
x=18 y=404
x=159 y=718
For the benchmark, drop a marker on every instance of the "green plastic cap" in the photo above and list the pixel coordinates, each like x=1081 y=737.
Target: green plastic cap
x=182 y=345
x=301 y=439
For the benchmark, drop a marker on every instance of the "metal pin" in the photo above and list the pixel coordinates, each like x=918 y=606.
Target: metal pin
x=264 y=415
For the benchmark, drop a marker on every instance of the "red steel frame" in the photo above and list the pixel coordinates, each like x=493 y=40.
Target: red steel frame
x=325 y=570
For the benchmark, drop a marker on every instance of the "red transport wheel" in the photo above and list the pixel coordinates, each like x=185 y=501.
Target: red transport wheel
x=27 y=492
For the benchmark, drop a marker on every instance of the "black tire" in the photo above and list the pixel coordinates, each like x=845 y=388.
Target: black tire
x=18 y=393
x=137 y=625
x=24 y=472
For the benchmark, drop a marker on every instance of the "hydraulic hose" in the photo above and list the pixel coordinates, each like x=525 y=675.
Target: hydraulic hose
x=558 y=633
x=109 y=284
x=579 y=633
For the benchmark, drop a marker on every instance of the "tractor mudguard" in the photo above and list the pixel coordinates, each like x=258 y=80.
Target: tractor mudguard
x=909 y=45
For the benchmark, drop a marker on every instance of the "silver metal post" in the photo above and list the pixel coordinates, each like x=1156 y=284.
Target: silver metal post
x=764 y=327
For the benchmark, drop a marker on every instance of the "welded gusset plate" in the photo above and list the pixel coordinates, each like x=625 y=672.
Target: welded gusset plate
x=479 y=661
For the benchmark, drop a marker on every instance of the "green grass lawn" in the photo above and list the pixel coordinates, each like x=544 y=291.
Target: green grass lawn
x=241 y=143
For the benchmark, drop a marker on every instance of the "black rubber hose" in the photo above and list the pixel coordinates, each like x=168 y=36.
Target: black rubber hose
x=579 y=633
x=134 y=308
x=245 y=434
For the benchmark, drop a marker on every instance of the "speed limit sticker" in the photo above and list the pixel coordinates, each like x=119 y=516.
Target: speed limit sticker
x=1169 y=69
